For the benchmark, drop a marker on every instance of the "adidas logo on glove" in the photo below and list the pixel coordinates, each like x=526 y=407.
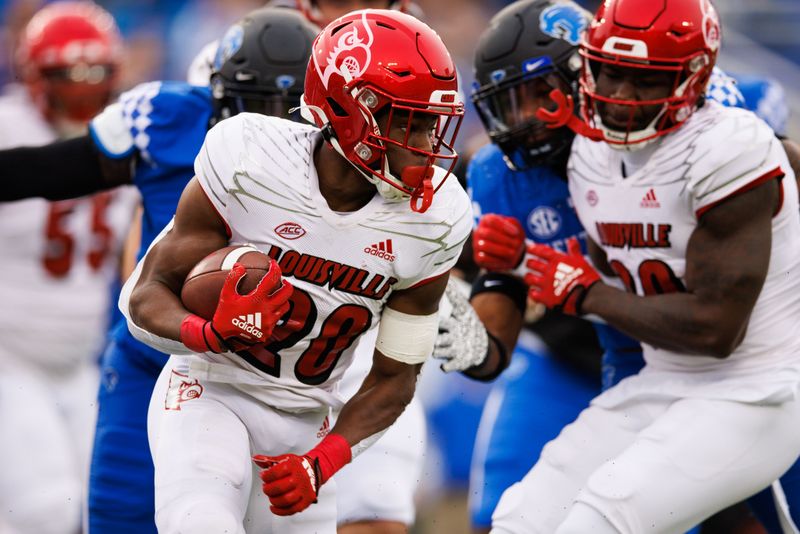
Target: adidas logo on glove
x=565 y=275
x=250 y=323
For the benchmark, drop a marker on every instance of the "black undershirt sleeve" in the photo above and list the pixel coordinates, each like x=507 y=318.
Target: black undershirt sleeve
x=58 y=171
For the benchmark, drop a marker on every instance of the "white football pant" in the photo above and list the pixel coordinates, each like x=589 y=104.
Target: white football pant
x=48 y=425
x=202 y=437
x=659 y=465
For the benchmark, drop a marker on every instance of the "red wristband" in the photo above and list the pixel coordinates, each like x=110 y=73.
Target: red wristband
x=332 y=453
x=197 y=335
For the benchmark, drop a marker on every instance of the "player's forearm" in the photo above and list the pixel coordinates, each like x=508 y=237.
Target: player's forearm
x=503 y=322
x=61 y=170
x=678 y=322
x=377 y=404
x=502 y=319
x=156 y=308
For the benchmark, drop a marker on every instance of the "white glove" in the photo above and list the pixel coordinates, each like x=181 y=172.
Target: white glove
x=462 y=341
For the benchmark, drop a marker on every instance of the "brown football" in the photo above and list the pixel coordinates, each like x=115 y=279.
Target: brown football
x=203 y=284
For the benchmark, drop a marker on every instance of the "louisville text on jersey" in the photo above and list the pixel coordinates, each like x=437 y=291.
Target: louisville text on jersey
x=634 y=235
x=335 y=275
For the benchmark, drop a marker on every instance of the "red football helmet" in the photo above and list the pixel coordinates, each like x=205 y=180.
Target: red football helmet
x=69 y=56
x=312 y=12
x=386 y=63
x=681 y=37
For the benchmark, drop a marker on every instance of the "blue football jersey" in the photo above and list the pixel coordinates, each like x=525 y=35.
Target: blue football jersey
x=167 y=123
x=763 y=96
x=767 y=99
x=724 y=89
x=537 y=197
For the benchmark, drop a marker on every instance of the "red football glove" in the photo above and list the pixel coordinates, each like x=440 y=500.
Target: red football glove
x=292 y=482
x=240 y=320
x=498 y=243
x=560 y=280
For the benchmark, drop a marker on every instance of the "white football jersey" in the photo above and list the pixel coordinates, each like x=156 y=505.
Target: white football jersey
x=259 y=174
x=58 y=259
x=644 y=222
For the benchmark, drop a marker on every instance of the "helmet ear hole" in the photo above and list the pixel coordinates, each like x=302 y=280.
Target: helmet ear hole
x=337 y=109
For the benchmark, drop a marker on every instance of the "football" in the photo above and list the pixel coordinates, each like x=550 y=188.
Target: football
x=203 y=284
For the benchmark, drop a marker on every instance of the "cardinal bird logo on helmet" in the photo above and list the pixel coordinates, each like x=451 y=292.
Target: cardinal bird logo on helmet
x=711 y=27
x=352 y=54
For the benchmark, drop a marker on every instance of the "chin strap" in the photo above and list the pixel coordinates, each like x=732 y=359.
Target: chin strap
x=421 y=179
x=425 y=193
x=564 y=115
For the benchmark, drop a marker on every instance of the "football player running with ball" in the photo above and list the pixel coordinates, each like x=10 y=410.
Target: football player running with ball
x=375 y=493
x=382 y=91
x=662 y=180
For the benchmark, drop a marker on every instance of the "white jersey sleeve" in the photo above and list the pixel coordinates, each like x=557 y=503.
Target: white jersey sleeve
x=215 y=164
x=450 y=220
x=731 y=155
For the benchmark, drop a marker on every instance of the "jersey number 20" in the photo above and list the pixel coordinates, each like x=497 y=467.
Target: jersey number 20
x=656 y=276
x=339 y=330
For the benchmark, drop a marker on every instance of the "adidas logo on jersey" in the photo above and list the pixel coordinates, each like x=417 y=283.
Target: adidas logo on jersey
x=250 y=323
x=650 y=200
x=382 y=250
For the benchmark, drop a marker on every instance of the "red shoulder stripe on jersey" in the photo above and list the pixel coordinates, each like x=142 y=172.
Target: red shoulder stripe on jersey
x=428 y=280
x=221 y=218
x=774 y=173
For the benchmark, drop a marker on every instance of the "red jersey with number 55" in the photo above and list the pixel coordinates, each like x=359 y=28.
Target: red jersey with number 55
x=259 y=174
x=58 y=259
x=644 y=222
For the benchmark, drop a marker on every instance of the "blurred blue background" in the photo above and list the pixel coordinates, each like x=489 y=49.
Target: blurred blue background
x=759 y=36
